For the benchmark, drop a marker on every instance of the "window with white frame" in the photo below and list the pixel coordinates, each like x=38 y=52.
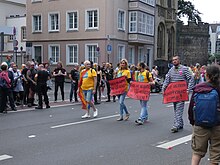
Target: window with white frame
x=11 y=38
x=53 y=22
x=36 y=23
x=131 y=55
x=91 y=53
x=121 y=52
x=145 y=24
x=150 y=2
x=121 y=19
x=92 y=20
x=23 y=33
x=141 y=54
x=72 y=20
x=72 y=54
x=54 y=53
x=133 y=22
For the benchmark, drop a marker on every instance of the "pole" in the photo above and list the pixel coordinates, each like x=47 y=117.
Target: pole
x=2 y=45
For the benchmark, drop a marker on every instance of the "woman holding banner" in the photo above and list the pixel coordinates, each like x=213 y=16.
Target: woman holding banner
x=143 y=76
x=124 y=71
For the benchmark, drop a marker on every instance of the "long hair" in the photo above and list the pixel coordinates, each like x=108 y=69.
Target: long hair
x=213 y=73
x=126 y=63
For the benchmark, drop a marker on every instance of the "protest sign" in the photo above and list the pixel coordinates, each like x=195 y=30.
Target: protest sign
x=139 y=91
x=117 y=85
x=176 y=92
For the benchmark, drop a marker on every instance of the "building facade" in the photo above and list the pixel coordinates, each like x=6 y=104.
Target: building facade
x=214 y=39
x=13 y=26
x=104 y=30
x=165 y=33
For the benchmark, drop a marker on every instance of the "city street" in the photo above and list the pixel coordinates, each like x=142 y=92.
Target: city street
x=58 y=136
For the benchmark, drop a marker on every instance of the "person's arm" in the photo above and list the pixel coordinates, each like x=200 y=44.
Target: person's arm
x=35 y=77
x=28 y=77
x=166 y=81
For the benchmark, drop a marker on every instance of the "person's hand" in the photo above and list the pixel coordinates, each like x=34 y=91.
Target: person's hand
x=34 y=83
x=93 y=92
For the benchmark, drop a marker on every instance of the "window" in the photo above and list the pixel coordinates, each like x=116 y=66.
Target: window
x=54 y=53
x=145 y=24
x=133 y=22
x=53 y=22
x=131 y=55
x=121 y=20
x=72 y=54
x=36 y=0
x=37 y=23
x=91 y=53
x=150 y=2
x=141 y=55
x=72 y=20
x=23 y=33
x=92 y=19
x=121 y=52
x=11 y=38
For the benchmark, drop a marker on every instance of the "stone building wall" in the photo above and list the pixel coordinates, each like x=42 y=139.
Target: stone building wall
x=192 y=43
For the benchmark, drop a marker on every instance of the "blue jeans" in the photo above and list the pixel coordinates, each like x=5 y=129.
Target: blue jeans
x=123 y=107
x=144 y=113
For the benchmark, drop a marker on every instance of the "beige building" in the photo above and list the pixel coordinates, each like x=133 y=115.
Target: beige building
x=165 y=33
x=98 y=30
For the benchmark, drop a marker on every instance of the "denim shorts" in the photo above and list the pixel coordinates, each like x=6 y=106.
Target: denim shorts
x=88 y=95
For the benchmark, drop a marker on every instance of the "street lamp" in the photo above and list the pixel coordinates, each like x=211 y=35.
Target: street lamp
x=21 y=48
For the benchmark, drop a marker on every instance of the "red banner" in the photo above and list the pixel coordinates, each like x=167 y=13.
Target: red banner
x=176 y=92
x=139 y=91
x=117 y=85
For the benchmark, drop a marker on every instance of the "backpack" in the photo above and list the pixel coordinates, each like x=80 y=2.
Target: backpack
x=3 y=83
x=205 y=108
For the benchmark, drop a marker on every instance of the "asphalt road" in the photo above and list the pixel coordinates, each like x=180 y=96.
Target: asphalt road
x=58 y=136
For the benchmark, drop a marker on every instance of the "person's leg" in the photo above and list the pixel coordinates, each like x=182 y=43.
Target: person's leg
x=195 y=159
x=75 y=91
x=11 y=99
x=71 y=91
x=123 y=108
x=144 y=113
x=108 y=91
x=55 y=92
x=179 y=114
x=40 y=102
x=95 y=95
x=44 y=92
x=62 y=90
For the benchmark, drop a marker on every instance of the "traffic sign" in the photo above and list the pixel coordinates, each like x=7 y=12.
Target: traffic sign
x=109 y=49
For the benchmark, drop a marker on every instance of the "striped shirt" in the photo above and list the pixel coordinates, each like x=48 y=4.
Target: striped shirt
x=180 y=74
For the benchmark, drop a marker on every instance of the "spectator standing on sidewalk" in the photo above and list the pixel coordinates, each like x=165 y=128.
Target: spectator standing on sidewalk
x=41 y=78
x=98 y=84
x=74 y=77
x=87 y=83
x=108 y=74
x=177 y=73
x=206 y=136
x=124 y=71
x=59 y=74
x=26 y=85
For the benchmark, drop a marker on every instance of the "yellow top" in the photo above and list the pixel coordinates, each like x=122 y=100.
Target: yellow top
x=142 y=76
x=125 y=73
x=88 y=79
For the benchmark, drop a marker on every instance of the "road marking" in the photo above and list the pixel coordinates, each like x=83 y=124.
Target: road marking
x=82 y=122
x=4 y=157
x=175 y=142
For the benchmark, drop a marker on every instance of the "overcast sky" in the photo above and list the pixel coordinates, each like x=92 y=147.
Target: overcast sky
x=209 y=8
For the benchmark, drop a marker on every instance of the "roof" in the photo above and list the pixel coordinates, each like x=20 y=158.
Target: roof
x=15 y=2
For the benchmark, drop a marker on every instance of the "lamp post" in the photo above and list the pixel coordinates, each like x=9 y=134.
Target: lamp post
x=21 y=48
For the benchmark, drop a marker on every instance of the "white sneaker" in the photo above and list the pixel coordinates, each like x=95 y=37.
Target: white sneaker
x=85 y=116
x=95 y=113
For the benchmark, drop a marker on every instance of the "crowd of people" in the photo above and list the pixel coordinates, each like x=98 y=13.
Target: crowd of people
x=88 y=81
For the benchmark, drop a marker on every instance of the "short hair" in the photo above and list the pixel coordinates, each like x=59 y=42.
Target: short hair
x=4 y=67
x=87 y=62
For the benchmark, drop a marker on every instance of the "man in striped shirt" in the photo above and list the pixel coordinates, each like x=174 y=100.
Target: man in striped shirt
x=178 y=73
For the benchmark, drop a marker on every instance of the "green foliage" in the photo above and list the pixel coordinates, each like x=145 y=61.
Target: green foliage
x=187 y=9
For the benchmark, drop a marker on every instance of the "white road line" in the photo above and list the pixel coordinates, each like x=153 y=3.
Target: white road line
x=4 y=157
x=82 y=122
x=175 y=142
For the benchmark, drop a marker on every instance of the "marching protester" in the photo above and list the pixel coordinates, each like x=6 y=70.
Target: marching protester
x=87 y=85
x=124 y=71
x=178 y=73
x=205 y=106
x=32 y=84
x=41 y=78
x=146 y=77
x=74 y=77
x=59 y=74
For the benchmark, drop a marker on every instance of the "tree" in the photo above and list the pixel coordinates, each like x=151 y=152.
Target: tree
x=187 y=9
